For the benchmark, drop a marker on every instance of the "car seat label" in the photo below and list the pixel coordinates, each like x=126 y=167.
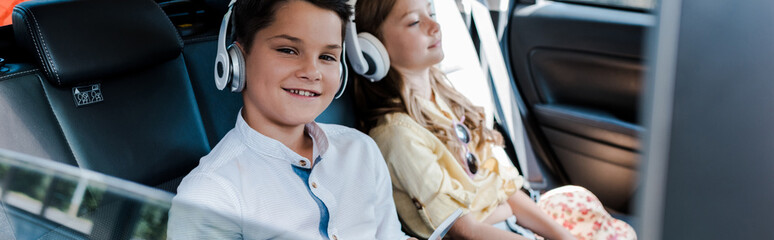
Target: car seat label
x=85 y=95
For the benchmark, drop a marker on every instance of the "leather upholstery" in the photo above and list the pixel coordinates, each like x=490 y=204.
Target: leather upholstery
x=218 y=108
x=28 y=126
x=148 y=128
x=85 y=41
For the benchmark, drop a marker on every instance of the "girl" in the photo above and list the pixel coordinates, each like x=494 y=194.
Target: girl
x=440 y=154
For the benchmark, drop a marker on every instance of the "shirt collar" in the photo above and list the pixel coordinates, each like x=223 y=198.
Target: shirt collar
x=438 y=110
x=265 y=145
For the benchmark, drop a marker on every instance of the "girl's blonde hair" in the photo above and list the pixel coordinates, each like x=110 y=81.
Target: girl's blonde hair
x=390 y=95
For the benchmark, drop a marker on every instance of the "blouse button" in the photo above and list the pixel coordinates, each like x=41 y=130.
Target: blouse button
x=314 y=185
x=303 y=163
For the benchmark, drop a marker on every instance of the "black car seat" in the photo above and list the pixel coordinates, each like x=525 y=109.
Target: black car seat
x=28 y=124
x=118 y=86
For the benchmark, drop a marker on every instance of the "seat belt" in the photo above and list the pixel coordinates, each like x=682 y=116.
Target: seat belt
x=501 y=88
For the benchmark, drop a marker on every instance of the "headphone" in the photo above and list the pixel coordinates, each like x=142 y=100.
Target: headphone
x=368 y=55
x=230 y=61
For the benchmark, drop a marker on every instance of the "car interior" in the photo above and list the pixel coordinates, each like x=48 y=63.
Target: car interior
x=125 y=89
x=580 y=71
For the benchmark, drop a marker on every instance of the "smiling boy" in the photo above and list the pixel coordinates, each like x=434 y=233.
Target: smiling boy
x=278 y=174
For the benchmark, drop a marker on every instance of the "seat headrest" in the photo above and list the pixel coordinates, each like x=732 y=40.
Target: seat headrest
x=217 y=7
x=79 y=41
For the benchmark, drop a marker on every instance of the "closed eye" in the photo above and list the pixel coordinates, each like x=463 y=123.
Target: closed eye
x=413 y=23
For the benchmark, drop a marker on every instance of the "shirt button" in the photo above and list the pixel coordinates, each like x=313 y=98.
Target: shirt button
x=303 y=163
x=314 y=185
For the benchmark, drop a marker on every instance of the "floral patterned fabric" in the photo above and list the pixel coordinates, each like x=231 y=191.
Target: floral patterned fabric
x=578 y=210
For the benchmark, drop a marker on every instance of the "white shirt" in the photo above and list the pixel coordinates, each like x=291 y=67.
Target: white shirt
x=248 y=187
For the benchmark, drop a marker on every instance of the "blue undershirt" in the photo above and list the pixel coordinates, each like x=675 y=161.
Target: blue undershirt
x=304 y=173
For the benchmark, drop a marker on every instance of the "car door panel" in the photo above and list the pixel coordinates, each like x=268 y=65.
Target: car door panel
x=579 y=69
x=609 y=84
x=594 y=125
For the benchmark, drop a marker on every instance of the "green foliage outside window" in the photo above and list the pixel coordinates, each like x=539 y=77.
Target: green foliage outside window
x=29 y=182
x=153 y=222
x=91 y=200
x=3 y=170
x=62 y=191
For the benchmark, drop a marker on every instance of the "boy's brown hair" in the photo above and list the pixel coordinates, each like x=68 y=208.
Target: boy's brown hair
x=251 y=16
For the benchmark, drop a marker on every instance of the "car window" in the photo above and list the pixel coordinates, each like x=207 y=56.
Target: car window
x=6 y=11
x=628 y=4
x=43 y=197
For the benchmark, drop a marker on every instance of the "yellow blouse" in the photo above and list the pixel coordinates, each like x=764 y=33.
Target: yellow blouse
x=429 y=183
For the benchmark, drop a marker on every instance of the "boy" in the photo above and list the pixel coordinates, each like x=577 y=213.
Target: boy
x=278 y=174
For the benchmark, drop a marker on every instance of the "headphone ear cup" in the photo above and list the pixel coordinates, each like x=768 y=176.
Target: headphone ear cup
x=237 y=67
x=375 y=55
x=222 y=71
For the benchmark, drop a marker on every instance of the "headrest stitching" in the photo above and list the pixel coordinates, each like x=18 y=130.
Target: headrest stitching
x=45 y=49
x=17 y=74
x=22 y=11
x=52 y=66
x=170 y=24
x=61 y=129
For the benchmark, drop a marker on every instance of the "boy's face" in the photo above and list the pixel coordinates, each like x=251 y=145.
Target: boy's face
x=292 y=70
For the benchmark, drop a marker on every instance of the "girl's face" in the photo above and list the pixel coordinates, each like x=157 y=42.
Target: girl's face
x=292 y=70
x=411 y=36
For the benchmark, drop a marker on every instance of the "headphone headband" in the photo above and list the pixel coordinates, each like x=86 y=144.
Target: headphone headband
x=344 y=73
x=359 y=64
x=230 y=63
x=368 y=55
x=222 y=62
